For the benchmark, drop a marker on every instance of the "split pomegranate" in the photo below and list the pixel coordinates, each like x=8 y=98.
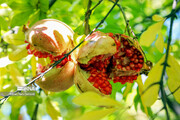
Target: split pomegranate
x=105 y=58
x=52 y=39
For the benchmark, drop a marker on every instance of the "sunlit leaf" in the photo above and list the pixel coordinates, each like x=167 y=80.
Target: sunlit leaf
x=33 y=2
x=160 y=43
x=140 y=87
x=43 y=61
x=20 y=5
x=92 y=98
x=34 y=17
x=2 y=73
x=3 y=24
x=173 y=72
x=128 y=89
x=16 y=76
x=20 y=18
x=44 y=5
x=33 y=65
x=4 y=62
x=19 y=53
x=149 y=35
x=15 y=39
x=151 y=89
x=97 y=114
x=157 y=18
x=53 y=109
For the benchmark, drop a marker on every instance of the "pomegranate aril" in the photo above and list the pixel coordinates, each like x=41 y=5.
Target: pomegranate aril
x=28 y=46
x=125 y=43
x=136 y=61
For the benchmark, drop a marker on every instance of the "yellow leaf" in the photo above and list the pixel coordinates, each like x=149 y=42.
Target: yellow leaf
x=149 y=35
x=160 y=43
x=173 y=73
x=140 y=87
x=15 y=39
x=2 y=73
x=33 y=65
x=43 y=61
x=127 y=90
x=151 y=89
x=53 y=109
x=157 y=18
x=16 y=76
x=19 y=53
x=92 y=98
x=97 y=114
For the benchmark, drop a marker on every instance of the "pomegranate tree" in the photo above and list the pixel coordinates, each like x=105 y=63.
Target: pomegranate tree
x=52 y=39
x=105 y=58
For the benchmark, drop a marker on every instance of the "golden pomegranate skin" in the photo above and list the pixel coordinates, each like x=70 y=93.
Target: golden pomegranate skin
x=58 y=79
x=50 y=35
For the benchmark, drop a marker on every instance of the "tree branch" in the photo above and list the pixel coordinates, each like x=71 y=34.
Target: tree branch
x=165 y=64
x=87 y=16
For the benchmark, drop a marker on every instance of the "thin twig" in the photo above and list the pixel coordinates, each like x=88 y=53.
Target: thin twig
x=129 y=29
x=155 y=115
x=66 y=55
x=34 y=117
x=165 y=64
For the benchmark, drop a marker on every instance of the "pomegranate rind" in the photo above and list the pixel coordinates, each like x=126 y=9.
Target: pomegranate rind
x=98 y=44
x=50 y=35
x=81 y=82
x=58 y=79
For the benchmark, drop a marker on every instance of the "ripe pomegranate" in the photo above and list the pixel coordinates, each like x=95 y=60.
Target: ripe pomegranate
x=52 y=39
x=105 y=58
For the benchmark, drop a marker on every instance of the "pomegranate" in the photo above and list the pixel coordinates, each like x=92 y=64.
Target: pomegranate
x=52 y=39
x=105 y=58
x=49 y=36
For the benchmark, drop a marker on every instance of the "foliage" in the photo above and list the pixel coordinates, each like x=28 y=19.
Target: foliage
x=149 y=19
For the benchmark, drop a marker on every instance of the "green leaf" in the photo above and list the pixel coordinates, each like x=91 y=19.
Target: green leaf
x=92 y=98
x=34 y=17
x=128 y=89
x=140 y=90
x=19 y=53
x=20 y=5
x=33 y=2
x=150 y=91
x=16 y=76
x=3 y=24
x=20 y=18
x=97 y=114
x=173 y=72
x=53 y=109
x=44 y=5
x=149 y=35
x=15 y=39
x=157 y=18
x=160 y=43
